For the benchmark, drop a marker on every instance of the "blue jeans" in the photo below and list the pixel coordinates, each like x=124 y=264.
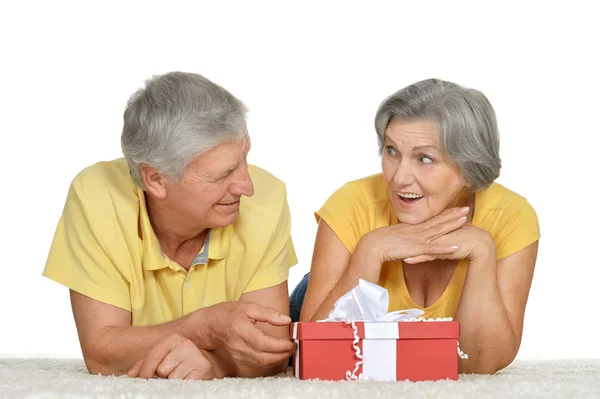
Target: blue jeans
x=296 y=300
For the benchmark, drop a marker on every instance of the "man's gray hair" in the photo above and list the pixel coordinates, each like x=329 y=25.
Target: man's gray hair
x=176 y=117
x=465 y=122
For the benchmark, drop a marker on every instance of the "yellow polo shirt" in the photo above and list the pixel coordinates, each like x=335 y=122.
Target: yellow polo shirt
x=363 y=205
x=105 y=248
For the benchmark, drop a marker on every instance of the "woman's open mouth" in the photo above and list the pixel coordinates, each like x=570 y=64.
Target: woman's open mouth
x=409 y=198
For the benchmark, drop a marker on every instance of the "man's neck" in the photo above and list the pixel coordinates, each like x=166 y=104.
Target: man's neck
x=171 y=230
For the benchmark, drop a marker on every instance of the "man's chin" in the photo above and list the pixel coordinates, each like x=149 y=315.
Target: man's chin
x=226 y=220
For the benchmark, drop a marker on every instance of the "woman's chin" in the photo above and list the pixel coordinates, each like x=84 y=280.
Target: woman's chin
x=412 y=218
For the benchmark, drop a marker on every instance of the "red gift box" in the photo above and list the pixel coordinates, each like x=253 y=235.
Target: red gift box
x=415 y=351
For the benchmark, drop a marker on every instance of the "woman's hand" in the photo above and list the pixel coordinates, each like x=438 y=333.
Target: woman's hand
x=472 y=243
x=402 y=241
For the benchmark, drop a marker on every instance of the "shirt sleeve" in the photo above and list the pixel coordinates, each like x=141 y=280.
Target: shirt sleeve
x=79 y=258
x=345 y=212
x=279 y=256
x=518 y=227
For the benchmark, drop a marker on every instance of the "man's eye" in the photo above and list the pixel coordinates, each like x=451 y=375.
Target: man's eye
x=391 y=150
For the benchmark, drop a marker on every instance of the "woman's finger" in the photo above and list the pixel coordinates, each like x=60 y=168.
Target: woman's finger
x=438 y=230
x=446 y=216
x=419 y=259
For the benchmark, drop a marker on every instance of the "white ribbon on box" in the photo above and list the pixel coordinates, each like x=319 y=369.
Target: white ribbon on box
x=368 y=302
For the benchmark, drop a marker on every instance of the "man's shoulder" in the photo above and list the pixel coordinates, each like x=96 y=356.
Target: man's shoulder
x=268 y=189
x=269 y=198
x=104 y=185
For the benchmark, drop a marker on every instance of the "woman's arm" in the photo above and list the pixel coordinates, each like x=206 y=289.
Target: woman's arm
x=335 y=271
x=492 y=309
x=492 y=305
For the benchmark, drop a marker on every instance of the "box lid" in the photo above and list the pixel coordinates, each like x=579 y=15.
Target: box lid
x=366 y=330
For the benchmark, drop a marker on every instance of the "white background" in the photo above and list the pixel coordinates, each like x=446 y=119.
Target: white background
x=312 y=75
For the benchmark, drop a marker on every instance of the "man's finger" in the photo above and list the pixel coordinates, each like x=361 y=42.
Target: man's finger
x=155 y=357
x=199 y=375
x=267 y=315
x=169 y=363
x=179 y=372
x=265 y=359
x=135 y=370
x=261 y=342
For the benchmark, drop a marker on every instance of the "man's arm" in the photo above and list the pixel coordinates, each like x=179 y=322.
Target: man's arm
x=108 y=342
x=111 y=346
x=277 y=298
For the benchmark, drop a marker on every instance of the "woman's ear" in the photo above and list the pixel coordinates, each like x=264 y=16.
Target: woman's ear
x=154 y=181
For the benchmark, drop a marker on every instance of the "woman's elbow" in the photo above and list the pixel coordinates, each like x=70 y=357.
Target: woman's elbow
x=486 y=366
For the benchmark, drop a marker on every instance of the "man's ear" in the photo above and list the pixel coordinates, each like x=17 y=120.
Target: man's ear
x=154 y=181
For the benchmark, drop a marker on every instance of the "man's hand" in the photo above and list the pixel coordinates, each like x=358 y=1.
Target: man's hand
x=177 y=358
x=232 y=331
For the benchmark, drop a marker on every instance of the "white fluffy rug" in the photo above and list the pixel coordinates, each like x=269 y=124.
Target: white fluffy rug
x=68 y=378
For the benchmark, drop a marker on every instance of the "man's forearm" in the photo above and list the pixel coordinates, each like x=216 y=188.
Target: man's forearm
x=486 y=333
x=116 y=349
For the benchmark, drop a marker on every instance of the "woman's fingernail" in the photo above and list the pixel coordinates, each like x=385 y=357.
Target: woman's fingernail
x=408 y=259
x=464 y=209
x=454 y=247
x=462 y=219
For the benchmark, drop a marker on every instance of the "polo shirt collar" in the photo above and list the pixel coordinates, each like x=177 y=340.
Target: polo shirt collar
x=217 y=241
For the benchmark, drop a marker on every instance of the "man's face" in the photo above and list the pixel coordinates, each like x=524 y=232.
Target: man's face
x=212 y=185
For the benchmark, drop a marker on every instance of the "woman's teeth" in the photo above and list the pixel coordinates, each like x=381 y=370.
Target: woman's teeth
x=410 y=196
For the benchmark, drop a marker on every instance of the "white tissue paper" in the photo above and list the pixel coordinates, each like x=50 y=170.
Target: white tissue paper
x=368 y=302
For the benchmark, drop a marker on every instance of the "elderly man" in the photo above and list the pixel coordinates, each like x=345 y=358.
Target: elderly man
x=173 y=253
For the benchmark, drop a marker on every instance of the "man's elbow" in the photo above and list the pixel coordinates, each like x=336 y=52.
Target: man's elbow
x=98 y=362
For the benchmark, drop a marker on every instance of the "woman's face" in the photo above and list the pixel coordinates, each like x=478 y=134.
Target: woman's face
x=421 y=181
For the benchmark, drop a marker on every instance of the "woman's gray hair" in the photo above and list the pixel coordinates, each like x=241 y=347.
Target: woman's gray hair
x=465 y=121
x=174 y=118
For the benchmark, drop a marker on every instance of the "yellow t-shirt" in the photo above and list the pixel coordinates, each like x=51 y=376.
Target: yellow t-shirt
x=105 y=248
x=363 y=205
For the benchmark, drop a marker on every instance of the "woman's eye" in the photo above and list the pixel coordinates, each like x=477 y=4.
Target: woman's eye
x=426 y=160
x=391 y=150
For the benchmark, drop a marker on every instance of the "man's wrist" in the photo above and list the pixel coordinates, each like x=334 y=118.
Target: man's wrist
x=198 y=330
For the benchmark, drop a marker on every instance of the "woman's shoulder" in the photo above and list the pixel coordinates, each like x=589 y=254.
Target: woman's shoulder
x=356 y=208
x=509 y=217
x=371 y=189
x=498 y=197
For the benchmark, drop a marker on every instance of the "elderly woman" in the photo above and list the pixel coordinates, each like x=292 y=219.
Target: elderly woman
x=433 y=228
